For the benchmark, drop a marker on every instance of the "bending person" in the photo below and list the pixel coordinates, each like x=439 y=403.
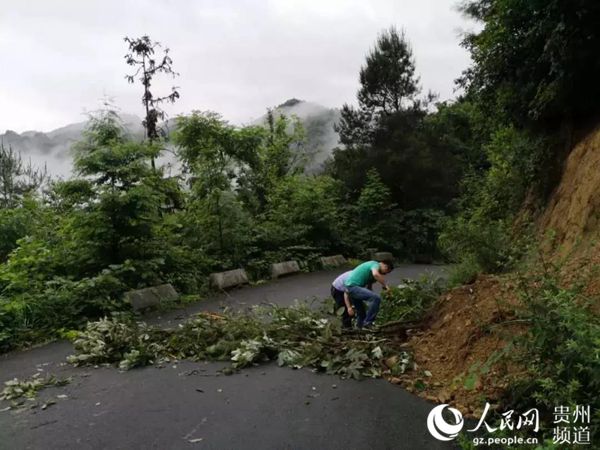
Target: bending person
x=362 y=276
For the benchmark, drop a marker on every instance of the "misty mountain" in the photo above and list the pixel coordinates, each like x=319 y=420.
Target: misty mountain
x=318 y=123
x=53 y=148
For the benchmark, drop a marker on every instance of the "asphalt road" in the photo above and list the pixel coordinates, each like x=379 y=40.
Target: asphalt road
x=189 y=405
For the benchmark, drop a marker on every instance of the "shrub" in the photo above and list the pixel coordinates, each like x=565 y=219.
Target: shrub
x=42 y=310
x=483 y=242
x=16 y=223
x=465 y=272
x=482 y=234
x=561 y=348
x=410 y=301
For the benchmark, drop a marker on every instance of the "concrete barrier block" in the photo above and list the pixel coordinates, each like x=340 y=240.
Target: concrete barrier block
x=284 y=268
x=381 y=256
x=153 y=296
x=230 y=278
x=333 y=261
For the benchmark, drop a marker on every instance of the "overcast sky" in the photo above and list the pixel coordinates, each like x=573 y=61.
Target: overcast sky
x=59 y=58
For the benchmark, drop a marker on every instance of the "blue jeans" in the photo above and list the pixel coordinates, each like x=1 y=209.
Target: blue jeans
x=360 y=295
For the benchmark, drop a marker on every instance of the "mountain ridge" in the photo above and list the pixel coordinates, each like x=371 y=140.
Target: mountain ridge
x=53 y=148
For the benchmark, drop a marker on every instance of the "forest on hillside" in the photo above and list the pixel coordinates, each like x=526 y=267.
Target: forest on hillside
x=460 y=182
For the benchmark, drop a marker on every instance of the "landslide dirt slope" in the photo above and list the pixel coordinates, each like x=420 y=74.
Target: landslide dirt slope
x=466 y=327
x=469 y=324
x=573 y=213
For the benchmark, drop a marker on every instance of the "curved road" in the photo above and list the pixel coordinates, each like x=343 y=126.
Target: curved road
x=191 y=406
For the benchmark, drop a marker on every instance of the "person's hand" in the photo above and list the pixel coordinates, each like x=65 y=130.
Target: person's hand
x=386 y=287
x=350 y=311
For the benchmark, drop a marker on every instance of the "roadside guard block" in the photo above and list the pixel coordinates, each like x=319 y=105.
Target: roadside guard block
x=382 y=256
x=153 y=296
x=228 y=279
x=284 y=268
x=333 y=261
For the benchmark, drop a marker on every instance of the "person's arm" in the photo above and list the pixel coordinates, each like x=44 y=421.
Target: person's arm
x=379 y=278
x=349 y=307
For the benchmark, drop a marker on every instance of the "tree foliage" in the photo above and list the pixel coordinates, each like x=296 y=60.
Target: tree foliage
x=120 y=216
x=418 y=153
x=141 y=57
x=389 y=85
x=281 y=153
x=17 y=179
x=534 y=60
x=388 y=80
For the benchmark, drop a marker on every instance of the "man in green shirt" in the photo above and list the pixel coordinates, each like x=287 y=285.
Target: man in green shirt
x=356 y=284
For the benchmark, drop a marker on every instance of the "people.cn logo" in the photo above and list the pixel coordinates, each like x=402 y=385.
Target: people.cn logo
x=439 y=428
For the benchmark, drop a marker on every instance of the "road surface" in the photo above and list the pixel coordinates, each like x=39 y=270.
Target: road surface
x=190 y=405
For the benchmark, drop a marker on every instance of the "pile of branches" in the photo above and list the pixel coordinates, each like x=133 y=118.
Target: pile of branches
x=296 y=336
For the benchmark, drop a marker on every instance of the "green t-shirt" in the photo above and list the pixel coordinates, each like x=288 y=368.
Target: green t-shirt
x=362 y=274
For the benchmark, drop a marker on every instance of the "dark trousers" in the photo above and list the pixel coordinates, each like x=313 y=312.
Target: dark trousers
x=338 y=296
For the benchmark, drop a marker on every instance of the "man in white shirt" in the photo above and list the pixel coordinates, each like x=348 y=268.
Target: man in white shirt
x=337 y=292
